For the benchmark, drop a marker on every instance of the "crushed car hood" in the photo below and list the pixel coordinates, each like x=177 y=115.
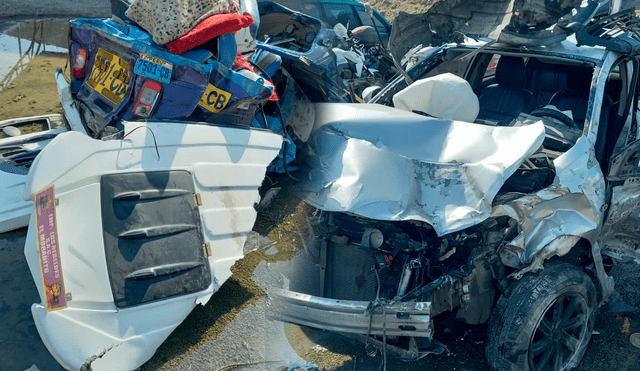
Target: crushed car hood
x=387 y=164
x=517 y=22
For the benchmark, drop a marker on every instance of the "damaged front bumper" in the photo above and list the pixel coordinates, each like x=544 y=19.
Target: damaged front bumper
x=354 y=317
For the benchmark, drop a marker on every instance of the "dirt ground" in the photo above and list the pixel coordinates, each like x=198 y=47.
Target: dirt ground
x=33 y=92
x=390 y=8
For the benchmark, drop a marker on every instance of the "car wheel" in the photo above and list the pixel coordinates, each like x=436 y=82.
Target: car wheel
x=543 y=322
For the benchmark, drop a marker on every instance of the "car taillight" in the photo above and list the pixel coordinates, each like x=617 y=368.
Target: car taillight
x=80 y=64
x=147 y=99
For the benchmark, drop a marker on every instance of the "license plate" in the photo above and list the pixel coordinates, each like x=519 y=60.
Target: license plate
x=214 y=99
x=109 y=76
x=153 y=68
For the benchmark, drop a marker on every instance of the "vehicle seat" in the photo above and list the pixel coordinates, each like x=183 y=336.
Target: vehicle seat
x=576 y=99
x=507 y=98
x=344 y=18
x=544 y=80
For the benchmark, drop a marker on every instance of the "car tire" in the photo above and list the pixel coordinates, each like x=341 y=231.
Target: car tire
x=525 y=332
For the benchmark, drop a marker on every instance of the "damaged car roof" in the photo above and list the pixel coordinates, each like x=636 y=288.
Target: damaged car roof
x=516 y=22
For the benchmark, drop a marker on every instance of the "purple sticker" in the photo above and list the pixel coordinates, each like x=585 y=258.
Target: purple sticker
x=48 y=250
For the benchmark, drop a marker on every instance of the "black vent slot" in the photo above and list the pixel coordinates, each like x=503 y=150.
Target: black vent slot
x=152 y=236
x=7 y=152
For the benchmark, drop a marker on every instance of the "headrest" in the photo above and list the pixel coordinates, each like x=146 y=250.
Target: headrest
x=510 y=72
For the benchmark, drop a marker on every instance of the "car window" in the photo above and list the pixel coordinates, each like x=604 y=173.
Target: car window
x=340 y=13
x=311 y=9
x=457 y=66
x=367 y=21
x=491 y=68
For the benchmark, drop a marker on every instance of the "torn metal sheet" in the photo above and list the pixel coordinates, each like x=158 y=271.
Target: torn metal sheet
x=297 y=109
x=570 y=207
x=620 y=231
x=388 y=164
x=515 y=22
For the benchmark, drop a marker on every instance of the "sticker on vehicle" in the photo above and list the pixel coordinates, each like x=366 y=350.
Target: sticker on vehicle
x=214 y=100
x=48 y=250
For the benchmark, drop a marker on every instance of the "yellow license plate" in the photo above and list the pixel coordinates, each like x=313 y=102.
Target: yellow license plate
x=214 y=99
x=109 y=76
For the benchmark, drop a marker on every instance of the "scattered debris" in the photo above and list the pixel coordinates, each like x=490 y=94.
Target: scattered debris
x=256 y=241
x=320 y=348
x=626 y=326
x=239 y=365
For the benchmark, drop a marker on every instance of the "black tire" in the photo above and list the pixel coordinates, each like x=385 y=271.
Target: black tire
x=526 y=333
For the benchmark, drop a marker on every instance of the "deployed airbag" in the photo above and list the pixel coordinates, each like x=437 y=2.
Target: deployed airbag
x=445 y=96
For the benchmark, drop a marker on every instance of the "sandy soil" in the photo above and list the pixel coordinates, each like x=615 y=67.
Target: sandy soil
x=30 y=93
x=390 y=8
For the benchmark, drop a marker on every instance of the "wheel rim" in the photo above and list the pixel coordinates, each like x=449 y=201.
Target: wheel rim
x=559 y=334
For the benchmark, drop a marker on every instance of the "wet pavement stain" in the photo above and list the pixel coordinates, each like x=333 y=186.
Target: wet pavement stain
x=29 y=55
x=18 y=333
x=22 y=44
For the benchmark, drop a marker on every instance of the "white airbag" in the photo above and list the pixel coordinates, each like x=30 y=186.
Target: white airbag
x=445 y=96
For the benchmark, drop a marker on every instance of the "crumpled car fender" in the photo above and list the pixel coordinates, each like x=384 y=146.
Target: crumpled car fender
x=565 y=212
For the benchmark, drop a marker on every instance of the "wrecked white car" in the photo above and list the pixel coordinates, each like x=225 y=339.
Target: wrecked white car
x=500 y=209
x=21 y=140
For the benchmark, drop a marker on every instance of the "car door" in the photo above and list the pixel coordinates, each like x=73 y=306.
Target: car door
x=620 y=234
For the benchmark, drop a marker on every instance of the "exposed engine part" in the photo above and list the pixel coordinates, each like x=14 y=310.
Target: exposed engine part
x=411 y=263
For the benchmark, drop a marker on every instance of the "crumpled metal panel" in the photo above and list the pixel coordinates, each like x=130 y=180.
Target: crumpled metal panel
x=387 y=164
x=621 y=231
x=355 y=317
x=572 y=206
x=515 y=22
